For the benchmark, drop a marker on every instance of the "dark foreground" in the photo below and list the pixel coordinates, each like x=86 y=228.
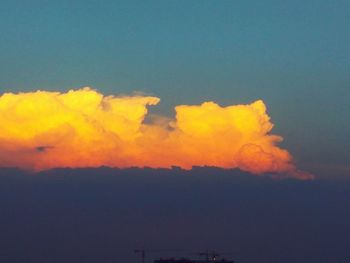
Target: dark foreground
x=102 y=215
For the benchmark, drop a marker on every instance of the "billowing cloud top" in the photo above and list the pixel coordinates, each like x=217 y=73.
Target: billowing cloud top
x=83 y=128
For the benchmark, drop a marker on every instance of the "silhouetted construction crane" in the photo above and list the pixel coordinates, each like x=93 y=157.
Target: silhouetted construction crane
x=210 y=256
x=213 y=255
x=142 y=252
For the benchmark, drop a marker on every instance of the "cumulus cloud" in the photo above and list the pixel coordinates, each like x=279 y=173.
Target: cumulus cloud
x=83 y=128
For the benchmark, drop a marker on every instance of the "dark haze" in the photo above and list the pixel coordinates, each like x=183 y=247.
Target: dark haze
x=102 y=215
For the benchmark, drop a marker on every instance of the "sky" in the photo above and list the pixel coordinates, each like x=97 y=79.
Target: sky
x=288 y=62
x=77 y=216
x=292 y=54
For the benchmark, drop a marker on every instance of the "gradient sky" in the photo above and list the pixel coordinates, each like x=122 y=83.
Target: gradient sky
x=295 y=55
x=76 y=216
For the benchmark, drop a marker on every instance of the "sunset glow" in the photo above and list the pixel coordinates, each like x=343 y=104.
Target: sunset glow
x=83 y=128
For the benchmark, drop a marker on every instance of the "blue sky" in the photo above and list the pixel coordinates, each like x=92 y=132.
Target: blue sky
x=295 y=55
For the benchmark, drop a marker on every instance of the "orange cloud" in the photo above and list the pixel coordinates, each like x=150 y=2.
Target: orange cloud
x=83 y=128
